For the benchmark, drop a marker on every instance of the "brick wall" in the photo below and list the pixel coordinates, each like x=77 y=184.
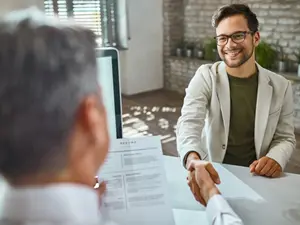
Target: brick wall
x=181 y=71
x=296 y=91
x=279 y=20
x=190 y=20
x=197 y=18
x=173 y=31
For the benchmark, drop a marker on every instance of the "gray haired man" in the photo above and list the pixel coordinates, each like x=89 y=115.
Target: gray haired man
x=53 y=131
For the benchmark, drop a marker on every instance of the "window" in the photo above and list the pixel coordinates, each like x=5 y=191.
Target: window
x=104 y=17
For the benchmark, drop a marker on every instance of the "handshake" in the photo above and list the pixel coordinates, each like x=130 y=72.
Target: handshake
x=203 y=178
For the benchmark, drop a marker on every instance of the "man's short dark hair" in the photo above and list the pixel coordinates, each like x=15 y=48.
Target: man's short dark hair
x=236 y=9
x=46 y=69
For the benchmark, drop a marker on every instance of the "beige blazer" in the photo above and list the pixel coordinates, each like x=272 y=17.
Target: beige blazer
x=204 y=122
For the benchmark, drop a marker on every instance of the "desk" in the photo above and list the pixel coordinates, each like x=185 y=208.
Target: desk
x=281 y=195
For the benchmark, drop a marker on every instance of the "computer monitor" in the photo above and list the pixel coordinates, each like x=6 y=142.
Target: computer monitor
x=109 y=80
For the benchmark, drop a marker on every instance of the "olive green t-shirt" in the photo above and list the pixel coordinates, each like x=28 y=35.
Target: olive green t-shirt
x=241 y=149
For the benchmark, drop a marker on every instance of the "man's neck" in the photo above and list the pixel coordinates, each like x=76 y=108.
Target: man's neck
x=244 y=71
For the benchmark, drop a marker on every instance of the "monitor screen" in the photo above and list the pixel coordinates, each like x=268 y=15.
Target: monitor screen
x=108 y=78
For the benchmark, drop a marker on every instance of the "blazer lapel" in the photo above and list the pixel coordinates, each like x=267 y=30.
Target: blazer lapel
x=263 y=102
x=223 y=92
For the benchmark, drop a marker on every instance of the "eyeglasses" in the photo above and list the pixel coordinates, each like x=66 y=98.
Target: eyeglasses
x=237 y=37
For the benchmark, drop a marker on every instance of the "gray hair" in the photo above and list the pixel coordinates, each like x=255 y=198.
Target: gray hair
x=46 y=69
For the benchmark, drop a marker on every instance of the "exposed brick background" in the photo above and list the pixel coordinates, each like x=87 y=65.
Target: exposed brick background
x=173 y=30
x=279 y=20
x=181 y=71
x=296 y=91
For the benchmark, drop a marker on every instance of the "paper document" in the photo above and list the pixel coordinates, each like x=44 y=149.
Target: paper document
x=136 y=183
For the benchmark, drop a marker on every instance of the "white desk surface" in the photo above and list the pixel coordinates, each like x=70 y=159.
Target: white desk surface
x=281 y=196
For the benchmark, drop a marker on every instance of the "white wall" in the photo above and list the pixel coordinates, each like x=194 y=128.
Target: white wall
x=9 y=5
x=142 y=64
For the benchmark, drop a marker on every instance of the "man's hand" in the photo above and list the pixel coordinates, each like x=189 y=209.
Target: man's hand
x=203 y=178
x=266 y=166
x=191 y=180
x=191 y=156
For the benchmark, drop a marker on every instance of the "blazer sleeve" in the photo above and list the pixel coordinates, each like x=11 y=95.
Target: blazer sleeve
x=284 y=142
x=193 y=113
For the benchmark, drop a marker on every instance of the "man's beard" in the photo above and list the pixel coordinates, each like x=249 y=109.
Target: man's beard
x=245 y=57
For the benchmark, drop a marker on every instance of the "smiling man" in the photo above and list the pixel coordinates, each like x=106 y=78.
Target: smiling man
x=235 y=111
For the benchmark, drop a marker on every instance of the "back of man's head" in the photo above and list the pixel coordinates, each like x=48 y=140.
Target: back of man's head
x=46 y=69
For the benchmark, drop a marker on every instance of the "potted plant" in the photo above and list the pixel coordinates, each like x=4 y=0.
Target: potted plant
x=281 y=59
x=265 y=55
x=210 y=50
x=297 y=54
x=180 y=49
x=189 y=49
x=198 y=51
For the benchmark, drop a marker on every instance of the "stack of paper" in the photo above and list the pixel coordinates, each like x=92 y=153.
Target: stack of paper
x=136 y=183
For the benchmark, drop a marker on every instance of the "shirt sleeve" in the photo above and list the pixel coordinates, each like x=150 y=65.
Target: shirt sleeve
x=104 y=219
x=220 y=213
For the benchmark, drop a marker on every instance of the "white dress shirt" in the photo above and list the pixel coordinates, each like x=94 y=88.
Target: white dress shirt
x=220 y=213
x=63 y=204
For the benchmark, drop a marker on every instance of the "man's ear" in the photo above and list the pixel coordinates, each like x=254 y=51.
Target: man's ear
x=256 y=38
x=83 y=137
x=91 y=115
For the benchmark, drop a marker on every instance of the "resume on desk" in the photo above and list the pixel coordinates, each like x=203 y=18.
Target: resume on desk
x=136 y=183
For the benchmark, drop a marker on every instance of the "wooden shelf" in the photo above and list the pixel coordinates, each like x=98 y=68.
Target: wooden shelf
x=288 y=75
x=291 y=76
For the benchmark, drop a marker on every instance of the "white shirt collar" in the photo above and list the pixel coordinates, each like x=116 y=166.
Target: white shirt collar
x=55 y=203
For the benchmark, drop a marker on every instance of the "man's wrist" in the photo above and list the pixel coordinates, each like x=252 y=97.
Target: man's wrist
x=210 y=192
x=191 y=156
